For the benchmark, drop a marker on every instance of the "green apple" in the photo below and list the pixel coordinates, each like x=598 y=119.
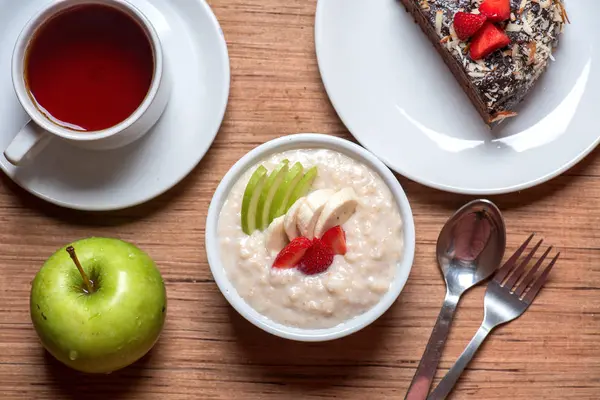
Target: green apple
x=278 y=207
x=98 y=305
x=302 y=187
x=268 y=193
x=251 y=197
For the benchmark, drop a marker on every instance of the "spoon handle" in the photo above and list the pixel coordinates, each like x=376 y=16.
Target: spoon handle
x=447 y=384
x=419 y=387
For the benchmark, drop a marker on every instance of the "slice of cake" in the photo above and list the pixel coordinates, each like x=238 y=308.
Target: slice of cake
x=497 y=49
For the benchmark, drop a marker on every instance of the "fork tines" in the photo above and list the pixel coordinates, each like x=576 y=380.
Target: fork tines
x=513 y=276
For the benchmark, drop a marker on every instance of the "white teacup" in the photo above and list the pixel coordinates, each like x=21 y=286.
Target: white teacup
x=40 y=130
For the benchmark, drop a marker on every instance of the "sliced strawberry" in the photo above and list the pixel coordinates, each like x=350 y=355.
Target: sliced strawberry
x=291 y=255
x=466 y=25
x=495 y=10
x=335 y=238
x=317 y=258
x=489 y=39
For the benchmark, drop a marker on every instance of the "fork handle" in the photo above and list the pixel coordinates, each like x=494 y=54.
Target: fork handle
x=447 y=383
x=419 y=387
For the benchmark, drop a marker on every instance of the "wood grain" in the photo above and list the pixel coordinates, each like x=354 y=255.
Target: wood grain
x=207 y=351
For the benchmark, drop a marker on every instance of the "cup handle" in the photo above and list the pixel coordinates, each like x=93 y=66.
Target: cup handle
x=27 y=144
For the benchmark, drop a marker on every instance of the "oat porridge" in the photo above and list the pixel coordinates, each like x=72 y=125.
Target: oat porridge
x=310 y=238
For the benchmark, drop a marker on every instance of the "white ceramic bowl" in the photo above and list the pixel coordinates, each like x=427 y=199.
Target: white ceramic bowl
x=308 y=141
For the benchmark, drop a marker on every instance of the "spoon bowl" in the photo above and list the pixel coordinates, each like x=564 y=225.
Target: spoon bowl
x=471 y=245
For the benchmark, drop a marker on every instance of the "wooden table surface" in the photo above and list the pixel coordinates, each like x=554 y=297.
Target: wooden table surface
x=207 y=351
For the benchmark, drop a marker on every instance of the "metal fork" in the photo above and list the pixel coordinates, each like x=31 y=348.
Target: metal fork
x=508 y=295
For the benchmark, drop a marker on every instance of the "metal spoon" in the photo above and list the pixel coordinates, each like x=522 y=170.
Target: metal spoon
x=469 y=249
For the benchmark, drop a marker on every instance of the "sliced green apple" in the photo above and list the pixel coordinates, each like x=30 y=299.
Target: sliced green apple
x=282 y=196
x=250 y=200
x=273 y=183
x=302 y=188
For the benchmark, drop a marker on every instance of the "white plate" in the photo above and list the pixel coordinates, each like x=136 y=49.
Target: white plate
x=396 y=96
x=198 y=65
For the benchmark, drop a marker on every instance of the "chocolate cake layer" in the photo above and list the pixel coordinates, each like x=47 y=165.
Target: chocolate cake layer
x=498 y=83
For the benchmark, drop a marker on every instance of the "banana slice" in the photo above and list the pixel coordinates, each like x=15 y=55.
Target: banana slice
x=275 y=237
x=289 y=223
x=310 y=210
x=338 y=209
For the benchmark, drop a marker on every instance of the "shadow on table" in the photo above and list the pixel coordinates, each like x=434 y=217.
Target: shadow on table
x=109 y=218
x=450 y=202
x=72 y=384
x=304 y=368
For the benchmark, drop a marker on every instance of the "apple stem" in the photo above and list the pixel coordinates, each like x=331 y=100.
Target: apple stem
x=89 y=286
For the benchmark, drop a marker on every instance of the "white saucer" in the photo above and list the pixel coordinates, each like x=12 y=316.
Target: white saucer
x=198 y=65
x=398 y=98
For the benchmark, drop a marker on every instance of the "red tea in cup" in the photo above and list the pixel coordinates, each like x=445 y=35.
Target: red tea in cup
x=89 y=67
